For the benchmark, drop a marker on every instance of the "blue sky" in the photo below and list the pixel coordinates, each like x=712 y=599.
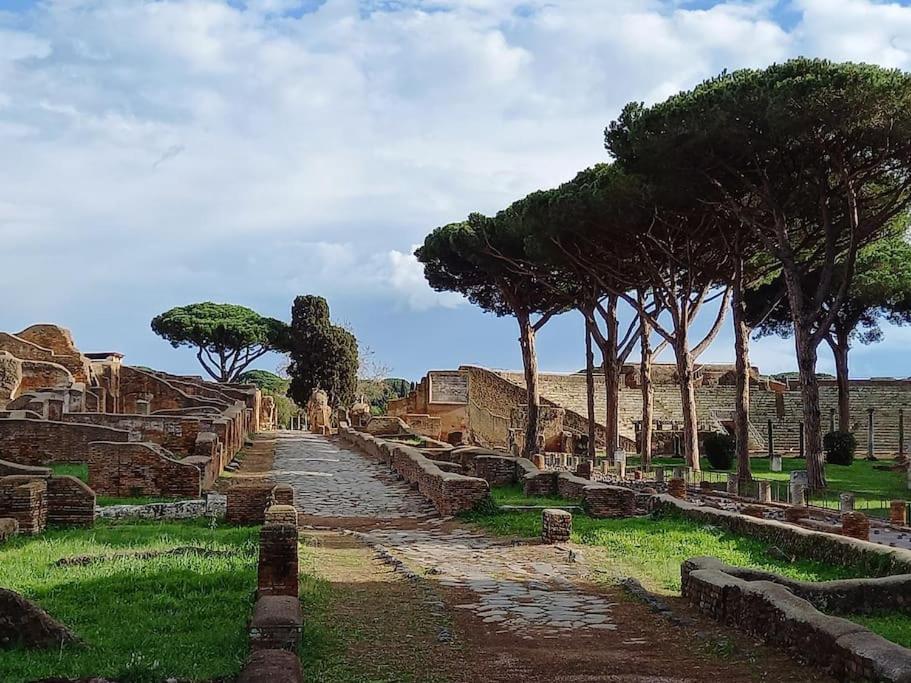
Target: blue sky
x=158 y=153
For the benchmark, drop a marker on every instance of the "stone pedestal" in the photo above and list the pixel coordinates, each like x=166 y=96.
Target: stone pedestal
x=765 y=491
x=855 y=525
x=659 y=475
x=846 y=502
x=538 y=460
x=584 y=470
x=898 y=512
x=733 y=484
x=278 y=560
x=798 y=487
x=677 y=488
x=621 y=469
x=556 y=526
x=775 y=463
x=606 y=467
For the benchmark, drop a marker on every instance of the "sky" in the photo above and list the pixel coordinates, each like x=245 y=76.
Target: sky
x=153 y=154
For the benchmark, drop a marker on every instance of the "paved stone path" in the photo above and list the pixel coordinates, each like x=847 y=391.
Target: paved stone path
x=336 y=482
x=514 y=588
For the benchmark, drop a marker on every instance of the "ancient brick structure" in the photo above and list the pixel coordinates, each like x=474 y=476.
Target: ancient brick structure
x=272 y=666
x=56 y=402
x=140 y=469
x=70 y=502
x=677 y=488
x=898 y=512
x=278 y=560
x=855 y=525
x=9 y=527
x=556 y=526
x=25 y=500
x=276 y=623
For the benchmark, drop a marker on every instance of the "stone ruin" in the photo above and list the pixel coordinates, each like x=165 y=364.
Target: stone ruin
x=139 y=431
x=319 y=414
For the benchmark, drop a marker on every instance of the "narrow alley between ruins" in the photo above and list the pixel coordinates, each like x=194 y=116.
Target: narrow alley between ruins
x=500 y=610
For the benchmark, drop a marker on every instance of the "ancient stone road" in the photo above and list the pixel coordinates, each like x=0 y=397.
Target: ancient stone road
x=530 y=615
x=337 y=482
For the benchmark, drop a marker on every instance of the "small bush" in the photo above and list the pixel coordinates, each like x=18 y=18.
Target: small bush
x=719 y=449
x=839 y=447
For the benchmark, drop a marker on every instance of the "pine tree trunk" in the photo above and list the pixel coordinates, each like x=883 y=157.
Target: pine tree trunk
x=648 y=393
x=742 y=370
x=590 y=390
x=533 y=397
x=840 y=352
x=685 y=372
x=611 y=380
x=809 y=389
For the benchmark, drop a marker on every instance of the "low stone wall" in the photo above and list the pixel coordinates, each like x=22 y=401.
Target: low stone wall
x=599 y=500
x=140 y=469
x=25 y=500
x=449 y=493
x=11 y=468
x=213 y=505
x=845 y=596
x=872 y=559
x=775 y=614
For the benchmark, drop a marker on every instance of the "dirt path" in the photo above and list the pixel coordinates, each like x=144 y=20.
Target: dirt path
x=471 y=607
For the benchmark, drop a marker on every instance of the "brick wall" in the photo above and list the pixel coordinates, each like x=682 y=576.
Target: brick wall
x=138 y=384
x=36 y=442
x=140 y=469
x=175 y=433
x=70 y=502
x=43 y=375
x=278 y=560
x=247 y=503
x=25 y=500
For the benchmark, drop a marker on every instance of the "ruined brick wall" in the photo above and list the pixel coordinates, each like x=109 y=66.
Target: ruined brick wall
x=176 y=433
x=70 y=502
x=278 y=560
x=495 y=470
x=37 y=442
x=449 y=493
x=25 y=500
x=424 y=425
x=848 y=651
x=43 y=375
x=140 y=469
x=32 y=344
x=138 y=384
x=247 y=504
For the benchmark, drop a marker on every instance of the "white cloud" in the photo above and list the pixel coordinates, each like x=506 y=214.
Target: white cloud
x=185 y=147
x=406 y=276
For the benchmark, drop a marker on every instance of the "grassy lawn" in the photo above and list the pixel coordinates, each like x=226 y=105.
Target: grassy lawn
x=514 y=494
x=141 y=620
x=891 y=626
x=652 y=549
x=65 y=469
x=871 y=486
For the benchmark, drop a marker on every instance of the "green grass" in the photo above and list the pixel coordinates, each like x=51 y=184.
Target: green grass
x=652 y=549
x=890 y=625
x=79 y=470
x=140 y=620
x=514 y=494
x=870 y=486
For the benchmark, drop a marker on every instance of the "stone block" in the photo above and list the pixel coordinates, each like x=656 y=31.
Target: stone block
x=855 y=525
x=677 y=488
x=276 y=623
x=796 y=513
x=898 y=512
x=556 y=526
x=278 y=560
x=9 y=527
x=281 y=514
x=756 y=511
x=272 y=666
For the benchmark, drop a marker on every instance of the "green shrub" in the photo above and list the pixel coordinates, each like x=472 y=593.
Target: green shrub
x=719 y=450
x=839 y=447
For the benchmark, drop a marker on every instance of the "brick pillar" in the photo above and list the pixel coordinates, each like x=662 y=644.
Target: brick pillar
x=855 y=525
x=278 y=560
x=732 y=484
x=677 y=488
x=538 y=460
x=898 y=512
x=142 y=407
x=556 y=526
